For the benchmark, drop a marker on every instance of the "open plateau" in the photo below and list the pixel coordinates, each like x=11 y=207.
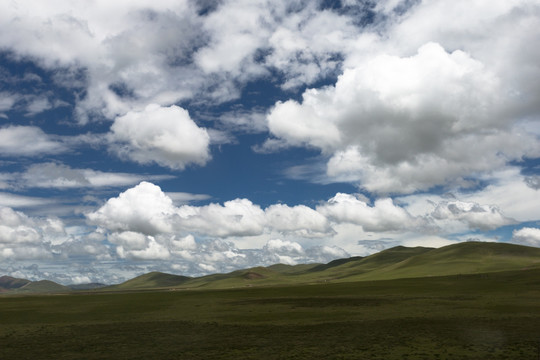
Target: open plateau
x=470 y=300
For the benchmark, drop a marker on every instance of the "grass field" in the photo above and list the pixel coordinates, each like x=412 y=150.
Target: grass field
x=481 y=316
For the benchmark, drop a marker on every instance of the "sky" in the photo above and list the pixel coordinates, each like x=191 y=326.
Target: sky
x=196 y=137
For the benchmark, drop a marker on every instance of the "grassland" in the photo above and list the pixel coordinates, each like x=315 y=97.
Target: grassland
x=395 y=263
x=477 y=316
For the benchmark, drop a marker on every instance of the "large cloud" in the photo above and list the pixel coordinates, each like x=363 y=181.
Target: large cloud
x=299 y=220
x=382 y=216
x=143 y=208
x=427 y=103
x=130 y=51
x=482 y=217
x=165 y=135
x=144 y=52
x=146 y=209
x=24 y=237
x=414 y=122
x=239 y=217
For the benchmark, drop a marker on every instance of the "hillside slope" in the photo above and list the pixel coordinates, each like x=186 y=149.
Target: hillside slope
x=42 y=286
x=151 y=280
x=395 y=263
x=462 y=258
x=8 y=283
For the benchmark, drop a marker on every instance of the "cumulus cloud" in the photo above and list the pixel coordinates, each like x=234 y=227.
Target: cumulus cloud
x=402 y=124
x=421 y=102
x=284 y=252
x=164 y=135
x=239 y=217
x=143 y=208
x=384 y=215
x=527 y=236
x=299 y=220
x=152 y=250
x=137 y=49
x=24 y=237
x=146 y=209
x=165 y=52
x=481 y=217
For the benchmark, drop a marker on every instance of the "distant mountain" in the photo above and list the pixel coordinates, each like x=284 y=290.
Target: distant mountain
x=11 y=285
x=397 y=262
x=42 y=286
x=8 y=283
x=154 y=279
x=394 y=263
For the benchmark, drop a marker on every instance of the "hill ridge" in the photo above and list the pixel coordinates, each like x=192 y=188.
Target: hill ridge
x=393 y=263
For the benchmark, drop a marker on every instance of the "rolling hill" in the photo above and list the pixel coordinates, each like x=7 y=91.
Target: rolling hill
x=395 y=263
x=8 y=283
x=42 y=286
x=153 y=279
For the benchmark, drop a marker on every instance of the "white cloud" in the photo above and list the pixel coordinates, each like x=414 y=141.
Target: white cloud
x=182 y=198
x=132 y=43
x=129 y=240
x=24 y=237
x=38 y=105
x=382 y=216
x=424 y=101
x=527 y=236
x=237 y=29
x=427 y=241
x=286 y=247
x=509 y=191
x=60 y=176
x=239 y=217
x=152 y=251
x=143 y=52
x=28 y=141
x=21 y=201
x=299 y=220
x=476 y=216
x=402 y=124
x=164 y=135
x=7 y=100
x=143 y=208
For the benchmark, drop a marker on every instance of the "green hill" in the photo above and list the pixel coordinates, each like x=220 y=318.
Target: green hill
x=395 y=263
x=8 y=283
x=368 y=265
x=151 y=280
x=464 y=258
x=42 y=286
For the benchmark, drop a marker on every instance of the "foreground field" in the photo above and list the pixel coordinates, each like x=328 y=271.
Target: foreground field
x=482 y=316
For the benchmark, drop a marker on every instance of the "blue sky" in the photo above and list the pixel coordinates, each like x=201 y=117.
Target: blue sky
x=195 y=137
